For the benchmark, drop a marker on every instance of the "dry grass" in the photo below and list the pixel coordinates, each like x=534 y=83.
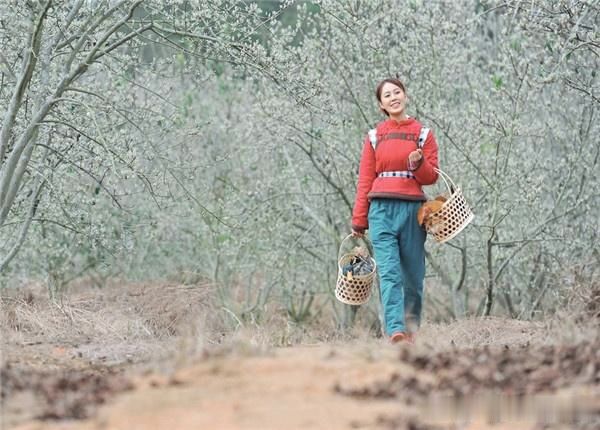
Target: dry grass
x=119 y=323
x=158 y=324
x=134 y=328
x=480 y=332
x=137 y=323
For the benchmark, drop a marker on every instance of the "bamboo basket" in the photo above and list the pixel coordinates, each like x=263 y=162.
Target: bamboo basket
x=355 y=290
x=454 y=215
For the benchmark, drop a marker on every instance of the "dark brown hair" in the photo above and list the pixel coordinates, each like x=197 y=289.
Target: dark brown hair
x=394 y=81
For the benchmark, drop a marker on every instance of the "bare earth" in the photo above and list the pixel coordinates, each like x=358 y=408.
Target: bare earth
x=473 y=374
x=325 y=386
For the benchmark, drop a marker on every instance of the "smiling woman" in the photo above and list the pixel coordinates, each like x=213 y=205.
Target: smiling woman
x=391 y=94
x=399 y=157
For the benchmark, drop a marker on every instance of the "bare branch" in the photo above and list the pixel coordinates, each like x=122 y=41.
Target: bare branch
x=89 y=28
x=25 y=229
x=35 y=201
x=121 y=41
x=538 y=229
x=197 y=36
x=147 y=183
x=28 y=67
x=9 y=69
x=99 y=182
x=132 y=82
x=14 y=167
x=462 y=150
x=70 y=17
x=90 y=58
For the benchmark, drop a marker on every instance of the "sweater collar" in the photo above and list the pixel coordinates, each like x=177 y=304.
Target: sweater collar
x=393 y=123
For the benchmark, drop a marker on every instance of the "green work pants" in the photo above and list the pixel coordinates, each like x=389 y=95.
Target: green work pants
x=399 y=246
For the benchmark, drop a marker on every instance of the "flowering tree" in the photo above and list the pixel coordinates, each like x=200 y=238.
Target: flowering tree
x=510 y=92
x=79 y=98
x=251 y=170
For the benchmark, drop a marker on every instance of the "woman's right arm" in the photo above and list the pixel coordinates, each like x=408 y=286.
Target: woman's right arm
x=366 y=176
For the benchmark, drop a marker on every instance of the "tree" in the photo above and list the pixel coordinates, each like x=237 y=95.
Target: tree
x=493 y=80
x=251 y=170
x=78 y=78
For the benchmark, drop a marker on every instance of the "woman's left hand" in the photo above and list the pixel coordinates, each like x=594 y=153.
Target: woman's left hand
x=415 y=156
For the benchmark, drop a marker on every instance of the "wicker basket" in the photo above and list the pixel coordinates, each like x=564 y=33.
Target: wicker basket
x=355 y=290
x=454 y=215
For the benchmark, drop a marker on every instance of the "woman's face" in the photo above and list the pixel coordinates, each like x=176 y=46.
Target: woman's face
x=392 y=99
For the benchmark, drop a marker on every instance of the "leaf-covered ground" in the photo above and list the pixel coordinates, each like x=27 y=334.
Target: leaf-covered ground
x=122 y=359
x=357 y=384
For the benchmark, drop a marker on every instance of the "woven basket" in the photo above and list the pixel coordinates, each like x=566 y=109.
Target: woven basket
x=356 y=290
x=454 y=215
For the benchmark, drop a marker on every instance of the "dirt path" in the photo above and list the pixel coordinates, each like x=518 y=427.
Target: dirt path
x=344 y=386
x=137 y=357
x=291 y=388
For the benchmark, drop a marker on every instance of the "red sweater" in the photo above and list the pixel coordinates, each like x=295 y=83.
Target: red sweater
x=395 y=141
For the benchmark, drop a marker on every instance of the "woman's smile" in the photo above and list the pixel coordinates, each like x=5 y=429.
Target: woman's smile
x=393 y=101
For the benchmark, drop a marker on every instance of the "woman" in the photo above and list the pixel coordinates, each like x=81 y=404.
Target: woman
x=398 y=157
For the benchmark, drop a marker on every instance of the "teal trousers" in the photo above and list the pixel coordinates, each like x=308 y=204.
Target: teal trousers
x=399 y=246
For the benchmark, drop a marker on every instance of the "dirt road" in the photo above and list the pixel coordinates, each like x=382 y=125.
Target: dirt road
x=140 y=357
x=355 y=385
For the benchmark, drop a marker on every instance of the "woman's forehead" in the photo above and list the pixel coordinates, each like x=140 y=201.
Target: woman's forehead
x=388 y=86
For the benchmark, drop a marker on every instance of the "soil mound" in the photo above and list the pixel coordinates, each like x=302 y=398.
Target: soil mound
x=68 y=393
x=514 y=371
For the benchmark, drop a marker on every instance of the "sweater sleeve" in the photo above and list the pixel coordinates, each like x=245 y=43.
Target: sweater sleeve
x=424 y=173
x=366 y=176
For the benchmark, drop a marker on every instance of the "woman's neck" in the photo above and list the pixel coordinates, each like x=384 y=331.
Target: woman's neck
x=400 y=117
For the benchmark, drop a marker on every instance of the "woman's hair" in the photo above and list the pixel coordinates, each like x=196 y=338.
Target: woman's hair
x=394 y=81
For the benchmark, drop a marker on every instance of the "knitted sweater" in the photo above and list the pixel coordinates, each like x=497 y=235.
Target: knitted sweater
x=384 y=172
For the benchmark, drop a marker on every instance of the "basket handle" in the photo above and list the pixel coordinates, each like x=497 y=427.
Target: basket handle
x=447 y=180
x=363 y=238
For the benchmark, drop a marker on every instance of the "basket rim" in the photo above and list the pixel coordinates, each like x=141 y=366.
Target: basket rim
x=453 y=196
x=363 y=238
x=347 y=255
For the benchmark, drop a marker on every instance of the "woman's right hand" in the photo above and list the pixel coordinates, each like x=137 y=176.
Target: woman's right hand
x=356 y=233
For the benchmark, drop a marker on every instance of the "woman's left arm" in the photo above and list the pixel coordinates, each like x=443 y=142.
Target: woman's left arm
x=424 y=173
